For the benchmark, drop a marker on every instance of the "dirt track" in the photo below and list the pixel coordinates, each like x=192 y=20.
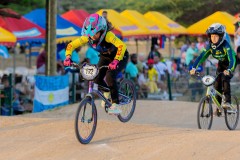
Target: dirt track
x=158 y=130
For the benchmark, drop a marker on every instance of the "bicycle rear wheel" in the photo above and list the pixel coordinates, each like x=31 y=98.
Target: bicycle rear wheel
x=205 y=113
x=127 y=99
x=232 y=116
x=85 y=121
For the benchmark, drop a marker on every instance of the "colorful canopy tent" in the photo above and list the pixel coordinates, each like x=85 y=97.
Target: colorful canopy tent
x=66 y=31
x=165 y=22
x=7 y=38
x=127 y=28
x=224 y=18
x=75 y=16
x=23 y=29
x=237 y=15
x=78 y=17
x=138 y=19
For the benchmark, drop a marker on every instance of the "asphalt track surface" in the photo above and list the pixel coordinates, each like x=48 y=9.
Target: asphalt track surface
x=158 y=130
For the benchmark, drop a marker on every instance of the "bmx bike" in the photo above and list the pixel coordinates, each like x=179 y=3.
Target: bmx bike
x=86 y=115
x=205 y=108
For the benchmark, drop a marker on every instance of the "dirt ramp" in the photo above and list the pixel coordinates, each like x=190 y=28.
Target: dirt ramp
x=158 y=130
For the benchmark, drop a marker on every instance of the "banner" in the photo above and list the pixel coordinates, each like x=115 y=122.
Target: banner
x=50 y=92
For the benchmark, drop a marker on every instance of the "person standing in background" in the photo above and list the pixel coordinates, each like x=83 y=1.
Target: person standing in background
x=109 y=24
x=237 y=33
x=192 y=52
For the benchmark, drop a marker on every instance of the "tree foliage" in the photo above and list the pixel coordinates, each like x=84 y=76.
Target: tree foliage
x=185 y=12
x=22 y=6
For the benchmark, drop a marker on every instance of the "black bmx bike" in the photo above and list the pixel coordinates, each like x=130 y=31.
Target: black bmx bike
x=86 y=115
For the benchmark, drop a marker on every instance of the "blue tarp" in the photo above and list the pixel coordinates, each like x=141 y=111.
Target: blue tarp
x=4 y=52
x=64 y=27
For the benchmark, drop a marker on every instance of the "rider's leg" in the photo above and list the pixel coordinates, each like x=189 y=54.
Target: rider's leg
x=103 y=61
x=100 y=78
x=227 y=88
x=226 y=84
x=218 y=87
x=218 y=82
x=111 y=79
x=112 y=83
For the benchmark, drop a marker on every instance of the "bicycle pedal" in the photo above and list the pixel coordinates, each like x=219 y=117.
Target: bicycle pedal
x=114 y=114
x=232 y=111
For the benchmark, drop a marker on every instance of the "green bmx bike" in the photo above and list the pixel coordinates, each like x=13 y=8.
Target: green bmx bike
x=205 y=108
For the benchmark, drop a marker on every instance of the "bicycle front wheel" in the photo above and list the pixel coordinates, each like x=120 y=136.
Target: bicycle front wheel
x=127 y=99
x=232 y=116
x=205 y=113
x=86 y=121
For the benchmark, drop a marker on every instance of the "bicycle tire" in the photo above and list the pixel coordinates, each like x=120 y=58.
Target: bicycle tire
x=233 y=126
x=201 y=113
x=90 y=117
x=181 y=84
x=126 y=116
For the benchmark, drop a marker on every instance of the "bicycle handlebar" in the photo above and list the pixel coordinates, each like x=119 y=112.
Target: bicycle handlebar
x=75 y=66
x=198 y=74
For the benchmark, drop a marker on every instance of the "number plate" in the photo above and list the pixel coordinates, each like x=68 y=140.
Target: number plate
x=89 y=72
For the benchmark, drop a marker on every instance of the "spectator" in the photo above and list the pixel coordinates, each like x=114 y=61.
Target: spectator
x=237 y=39
x=131 y=68
x=237 y=23
x=92 y=55
x=154 y=51
x=141 y=62
x=162 y=69
x=195 y=85
x=192 y=52
x=104 y=14
x=238 y=62
x=17 y=49
x=7 y=102
x=41 y=63
x=152 y=77
x=142 y=81
x=201 y=44
x=109 y=24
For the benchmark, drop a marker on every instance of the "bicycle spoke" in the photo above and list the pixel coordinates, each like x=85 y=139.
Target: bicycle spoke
x=232 y=116
x=204 y=114
x=127 y=99
x=85 y=121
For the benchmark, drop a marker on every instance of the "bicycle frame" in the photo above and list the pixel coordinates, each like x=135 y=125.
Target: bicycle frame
x=212 y=92
x=93 y=90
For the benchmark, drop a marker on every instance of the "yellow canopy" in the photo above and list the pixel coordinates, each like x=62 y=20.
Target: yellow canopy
x=138 y=19
x=165 y=22
x=6 y=37
x=126 y=27
x=224 y=18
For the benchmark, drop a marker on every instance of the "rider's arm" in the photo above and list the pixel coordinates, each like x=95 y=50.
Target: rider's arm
x=203 y=56
x=111 y=38
x=75 y=44
x=231 y=57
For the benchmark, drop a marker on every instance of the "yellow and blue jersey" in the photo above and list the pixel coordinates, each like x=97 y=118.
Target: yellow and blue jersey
x=223 y=53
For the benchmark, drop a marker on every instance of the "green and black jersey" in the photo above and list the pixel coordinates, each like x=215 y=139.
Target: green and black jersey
x=223 y=53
